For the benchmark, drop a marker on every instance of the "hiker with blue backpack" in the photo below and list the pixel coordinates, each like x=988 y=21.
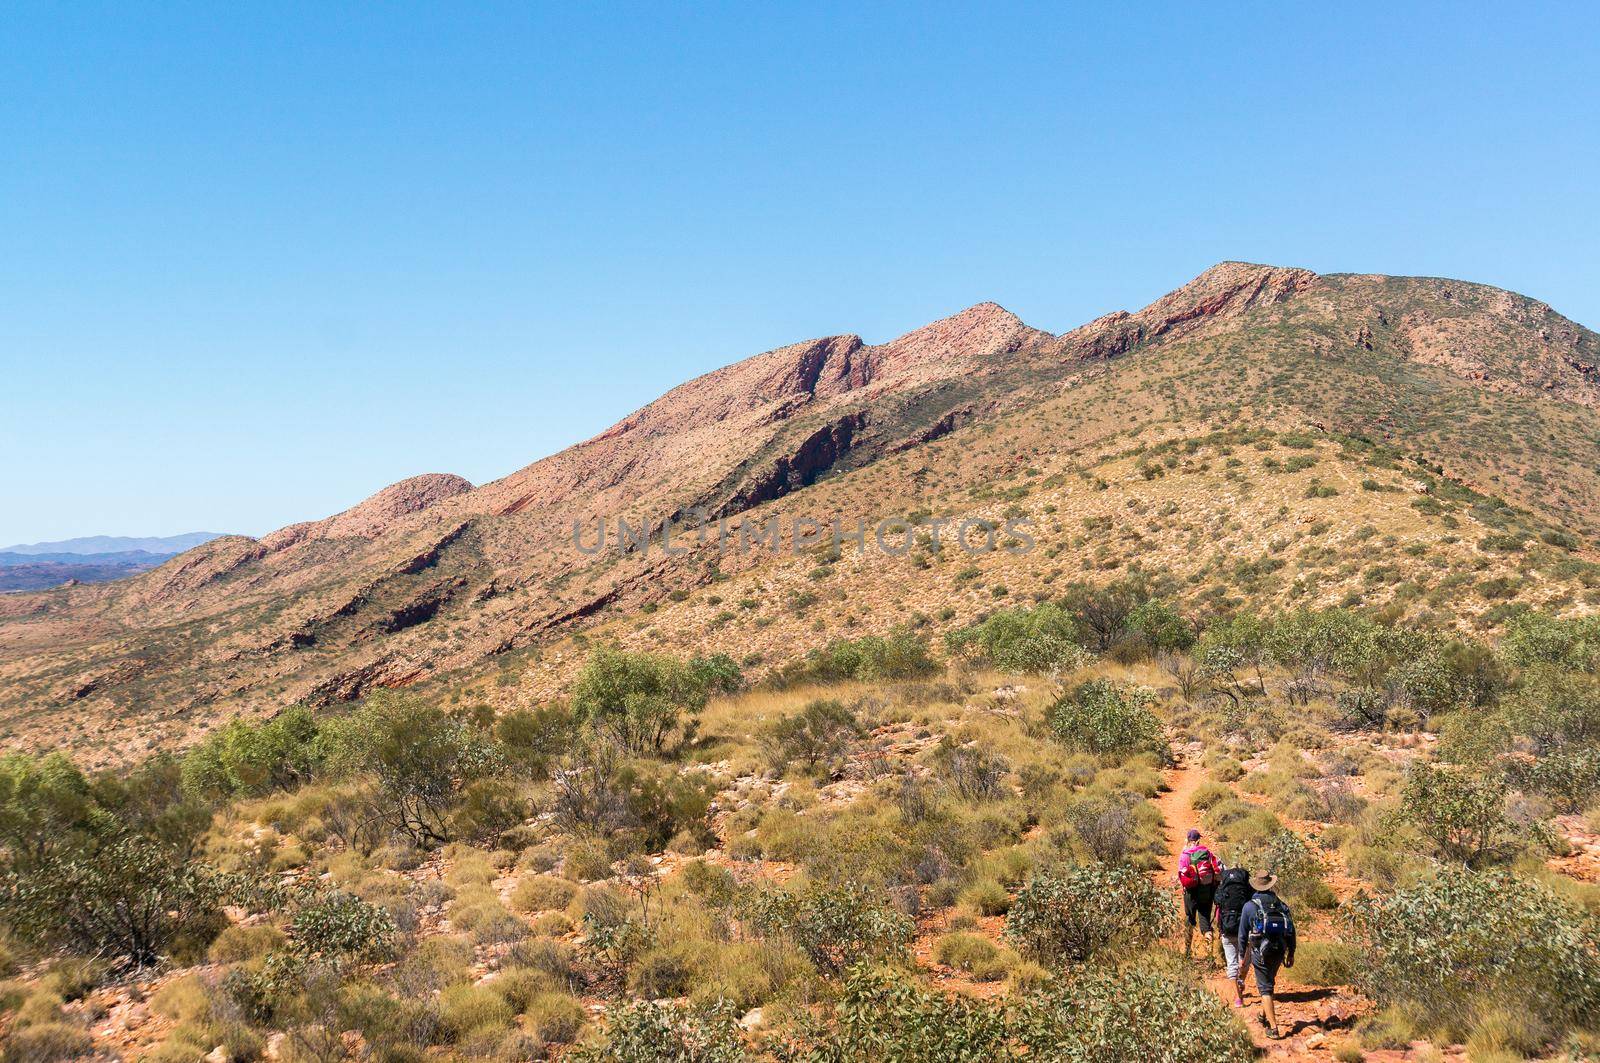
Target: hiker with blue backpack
x=1266 y=935
x=1198 y=874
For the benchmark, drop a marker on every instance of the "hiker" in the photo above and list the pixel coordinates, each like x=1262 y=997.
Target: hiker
x=1233 y=893
x=1266 y=934
x=1198 y=873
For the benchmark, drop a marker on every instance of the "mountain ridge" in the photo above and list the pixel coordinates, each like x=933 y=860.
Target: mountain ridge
x=434 y=574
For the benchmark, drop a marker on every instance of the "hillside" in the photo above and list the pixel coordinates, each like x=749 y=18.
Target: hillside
x=1427 y=446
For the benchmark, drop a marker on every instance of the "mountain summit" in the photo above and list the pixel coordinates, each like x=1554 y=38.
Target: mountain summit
x=1491 y=391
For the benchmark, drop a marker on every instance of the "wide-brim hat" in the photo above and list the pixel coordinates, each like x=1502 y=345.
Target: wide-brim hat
x=1262 y=881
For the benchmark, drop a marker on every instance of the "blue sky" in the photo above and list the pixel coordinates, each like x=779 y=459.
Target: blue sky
x=257 y=261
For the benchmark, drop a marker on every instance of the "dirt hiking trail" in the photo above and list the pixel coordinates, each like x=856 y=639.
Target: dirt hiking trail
x=1312 y=1020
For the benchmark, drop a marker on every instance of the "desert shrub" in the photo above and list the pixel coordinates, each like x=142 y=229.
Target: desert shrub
x=972 y=953
x=882 y=1015
x=817 y=734
x=1569 y=777
x=250 y=759
x=532 y=738
x=641 y=700
x=647 y=1032
x=1208 y=794
x=556 y=1018
x=1534 y=638
x=238 y=943
x=121 y=895
x=1463 y=812
x=1100 y=716
x=47 y=1042
x=538 y=893
x=1285 y=854
x=597 y=788
x=1110 y=1016
x=987 y=897
x=662 y=971
x=1076 y=913
x=975 y=773
x=1161 y=627
x=1326 y=963
x=1441 y=946
x=901 y=655
x=834 y=926
x=1106 y=824
x=1035 y=639
x=1553 y=707
x=487 y=809
x=546 y=956
x=342 y=926
x=421 y=757
x=1103 y=613
x=469 y=1010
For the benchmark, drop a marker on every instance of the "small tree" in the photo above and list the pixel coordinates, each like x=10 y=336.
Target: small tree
x=642 y=700
x=817 y=734
x=1463 y=812
x=1078 y=913
x=1101 y=716
x=421 y=757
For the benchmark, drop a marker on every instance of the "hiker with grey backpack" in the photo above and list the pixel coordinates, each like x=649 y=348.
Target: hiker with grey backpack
x=1266 y=935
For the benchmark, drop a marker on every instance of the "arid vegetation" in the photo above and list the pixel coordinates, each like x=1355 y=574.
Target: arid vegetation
x=891 y=850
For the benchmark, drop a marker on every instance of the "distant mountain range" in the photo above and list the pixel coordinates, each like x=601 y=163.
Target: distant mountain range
x=92 y=559
x=158 y=545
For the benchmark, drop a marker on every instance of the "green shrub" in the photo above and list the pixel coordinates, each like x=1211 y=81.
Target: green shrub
x=1326 y=963
x=1100 y=716
x=902 y=655
x=1110 y=1016
x=245 y=943
x=469 y=1010
x=1440 y=946
x=641 y=700
x=648 y=1032
x=834 y=925
x=817 y=734
x=47 y=1042
x=988 y=897
x=663 y=971
x=539 y=893
x=556 y=1017
x=343 y=926
x=1034 y=639
x=1072 y=915
x=1208 y=794
x=972 y=953
x=1463 y=812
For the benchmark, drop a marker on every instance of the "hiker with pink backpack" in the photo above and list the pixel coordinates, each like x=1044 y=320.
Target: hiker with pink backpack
x=1198 y=874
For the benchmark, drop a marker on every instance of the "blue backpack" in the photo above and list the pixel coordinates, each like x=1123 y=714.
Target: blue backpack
x=1270 y=924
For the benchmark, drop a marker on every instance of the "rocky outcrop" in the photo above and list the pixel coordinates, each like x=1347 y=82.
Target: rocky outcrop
x=376 y=515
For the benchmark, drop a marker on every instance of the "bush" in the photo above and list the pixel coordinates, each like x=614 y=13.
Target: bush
x=902 y=655
x=556 y=1017
x=1024 y=640
x=664 y=971
x=251 y=759
x=1111 y=1016
x=817 y=734
x=470 y=1010
x=343 y=927
x=1079 y=912
x=539 y=893
x=47 y=1042
x=886 y=1016
x=421 y=757
x=988 y=897
x=972 y=953
x=245 y=943
x=834 y=926
x=1463 y=812
x=664 y=1033
x=641 y=700
x=1105 y=717
x=1441 y=946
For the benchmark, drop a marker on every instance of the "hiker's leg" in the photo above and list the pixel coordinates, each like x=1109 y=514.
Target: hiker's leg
x=1230 y=958
x=1270 y=1012
x=1188 y=923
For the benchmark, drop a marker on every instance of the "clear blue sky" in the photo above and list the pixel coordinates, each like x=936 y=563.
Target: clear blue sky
x=257 y=261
